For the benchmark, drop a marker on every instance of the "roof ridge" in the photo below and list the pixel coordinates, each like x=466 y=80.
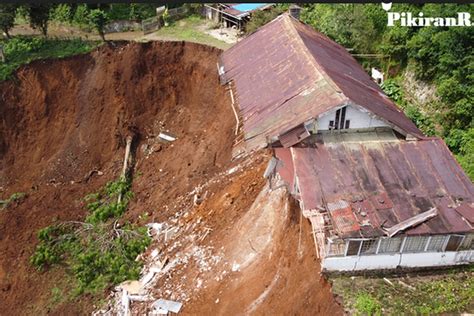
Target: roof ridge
x=328 y=78
x=319 y=68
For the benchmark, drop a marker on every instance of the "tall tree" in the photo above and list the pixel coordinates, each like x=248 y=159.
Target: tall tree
x=7 y=17
x=99 y=19
x=39 y=16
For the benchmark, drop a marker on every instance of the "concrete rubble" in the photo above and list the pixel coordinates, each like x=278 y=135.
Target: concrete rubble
x=176 y=244
x=166 y=137
x=166 y=306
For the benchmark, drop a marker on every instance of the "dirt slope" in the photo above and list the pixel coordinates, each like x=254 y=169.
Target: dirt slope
x=262 y=262
x=63 y=125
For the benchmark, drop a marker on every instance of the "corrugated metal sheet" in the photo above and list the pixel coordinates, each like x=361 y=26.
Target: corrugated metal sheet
x=345 y=221
x=385 y=183
x=466 y=211
x=294 y=136
x=287 y=73
x=285 y=167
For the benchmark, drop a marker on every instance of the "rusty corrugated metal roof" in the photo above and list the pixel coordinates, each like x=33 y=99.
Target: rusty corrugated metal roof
x=466 y=211
x=385 y=183
x=286 y=73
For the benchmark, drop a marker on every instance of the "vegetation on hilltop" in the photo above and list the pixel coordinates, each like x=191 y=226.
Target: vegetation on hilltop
x=22 y=50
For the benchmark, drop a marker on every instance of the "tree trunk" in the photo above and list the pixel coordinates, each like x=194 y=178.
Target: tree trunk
x=44 y=30
x=102 y=35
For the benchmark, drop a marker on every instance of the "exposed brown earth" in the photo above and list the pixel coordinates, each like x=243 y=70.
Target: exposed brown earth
x=63 y=125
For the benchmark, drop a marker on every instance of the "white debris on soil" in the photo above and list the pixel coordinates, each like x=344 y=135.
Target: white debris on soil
x=228 y=35
x=166 y=137
x=235 y=267
x=176 y=246
x=168 y=306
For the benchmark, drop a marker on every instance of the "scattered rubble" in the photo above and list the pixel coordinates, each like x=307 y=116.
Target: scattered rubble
x=165 y=306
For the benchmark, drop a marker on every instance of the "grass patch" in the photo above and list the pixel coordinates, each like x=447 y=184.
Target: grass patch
x=57 y=296
x=190 y=29
x=448 y=292
x=15 y=197
x=98 y=252
x=365 y=304
x=22 y=50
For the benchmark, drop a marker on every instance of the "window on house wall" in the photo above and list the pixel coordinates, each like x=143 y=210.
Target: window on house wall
x=336 y=248
x=454 y=242
x=340 y=121
x=415 y=244
x=338 y=116
x=368 y=247
x=436 y=243
x=353 y=247
x=467 y=243
x=343 y=118
x=390 y=245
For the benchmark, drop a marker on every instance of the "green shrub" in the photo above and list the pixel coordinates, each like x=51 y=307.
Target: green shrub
x=62 y=13
x=98 y=19
x=81 y=15
x=104 y=204
x=464 y=140
x=367 y=305
x=132 y=11
x=22 y=45
x=260 y=18
x=15 y=197
x=393 y=90
x=424 y=122
x=99 y=252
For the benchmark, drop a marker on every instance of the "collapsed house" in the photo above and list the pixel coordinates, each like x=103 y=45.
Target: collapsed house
x=378 y=193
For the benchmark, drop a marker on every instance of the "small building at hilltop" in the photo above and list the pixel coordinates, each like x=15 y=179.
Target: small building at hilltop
x=233 y=14
x=378 y=193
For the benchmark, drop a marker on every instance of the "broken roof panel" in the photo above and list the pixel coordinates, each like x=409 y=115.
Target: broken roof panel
x=466 y=211
x=386 y=183
x=285 y=167
x=287 y=73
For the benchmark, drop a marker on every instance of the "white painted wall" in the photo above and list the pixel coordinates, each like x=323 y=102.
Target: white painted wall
x=392 y=261
x=359 y=119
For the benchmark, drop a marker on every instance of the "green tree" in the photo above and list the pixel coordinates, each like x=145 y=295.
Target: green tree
x=7 y=17
x=260 y=18
x=62 y=13
x=39 y=16
x=99 y=19
x=81 y=15
x=355 y=26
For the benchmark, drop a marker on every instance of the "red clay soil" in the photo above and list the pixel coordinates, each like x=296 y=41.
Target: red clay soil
x=281 y=279
x=63 y=125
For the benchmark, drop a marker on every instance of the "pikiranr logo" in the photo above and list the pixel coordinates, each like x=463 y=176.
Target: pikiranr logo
x=407 y=18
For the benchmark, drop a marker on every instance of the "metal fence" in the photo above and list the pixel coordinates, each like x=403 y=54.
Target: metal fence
x=177 y=12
